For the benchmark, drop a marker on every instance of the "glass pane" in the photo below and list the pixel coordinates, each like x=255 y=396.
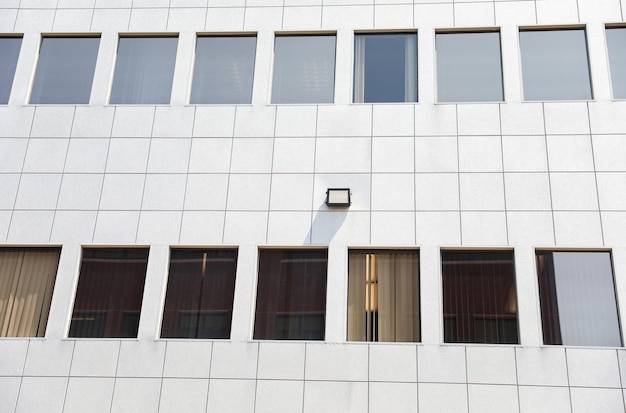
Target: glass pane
x=200 y=292
x=291 y=295
x=385 y=68
x=27 y=278
x=9 y=51
x=65 y=70
x=578 y=305
x=144 y=70
x=616 y=42
x=383 y=296
x=224 y=70
x=469 y=67
x=304 y=69
x=109 y=293
x=555 y=65
x=479 y=297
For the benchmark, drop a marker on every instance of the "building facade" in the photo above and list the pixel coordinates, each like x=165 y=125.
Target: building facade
x=170 y=243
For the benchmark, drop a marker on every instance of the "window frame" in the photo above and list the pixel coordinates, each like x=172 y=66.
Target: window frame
x=274 y=65
x=362 y=62
x=150 y=101
x=262 y=318
x=528 y=29
x=38 y=87
x=437 y=67
x=607 y=28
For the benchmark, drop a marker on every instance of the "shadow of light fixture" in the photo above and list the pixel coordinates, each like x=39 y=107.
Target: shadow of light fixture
x=338 y=197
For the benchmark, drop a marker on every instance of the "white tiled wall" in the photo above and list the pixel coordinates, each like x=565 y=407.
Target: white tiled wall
x=516 y=174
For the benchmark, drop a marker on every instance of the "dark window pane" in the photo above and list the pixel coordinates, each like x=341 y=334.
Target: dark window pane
x=385 y=68
x=304 y=69
x=200 y=292
x=9 y=52
x=479 y=297
x=224 y=70
x=555 y=65
x=577 y=295
x=65 y=70
x=109 y=293
x=27 y=278
x=291 y=295
x=616 y=43
x=383 y=296
x=469 y=67
x=144 y=70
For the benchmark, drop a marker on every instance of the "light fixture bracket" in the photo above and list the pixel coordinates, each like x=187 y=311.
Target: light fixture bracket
x=338 y=197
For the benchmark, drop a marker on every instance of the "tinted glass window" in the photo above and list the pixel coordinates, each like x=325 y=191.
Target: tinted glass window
x=577 y=295
x=9 y=51
x=616 y=42
x=555 y=65
x=291 y=295
x=479 y=297
x=469 y=67
x=385 y=68
x=109 y=293
x=304 y=69
x=65 y=70
x=200 y=291
x=224 y=70
x=144 y=70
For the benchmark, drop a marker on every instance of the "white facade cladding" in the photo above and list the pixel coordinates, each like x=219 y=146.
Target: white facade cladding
x=539 y=181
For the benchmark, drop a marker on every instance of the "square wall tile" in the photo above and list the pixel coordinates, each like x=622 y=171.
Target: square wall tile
x=491 y=365
x=442 y=398
x=245 y=227
x=173 y=121
x=527 y=191
x=30 y=227
x=393 y=15
x=333 y=120
x=86 y=155
x=593 y=368
x=480 y=154
x=182 y=19
x=73 y=227
x=52 y=122
x=335 y=155
x=46 y=155
x=478 y=119
x=393 y=363
x=144 y=20
x=38 y=191
x=609 y=152
x=210 y=155
x=169 y=155
x=334 y=17
x=187 y=359
x=141 y=359
x=570 y=153
x=436 y=154
x=542 y=366
x=252 y=155
x=254 y=121
x=566 y=118
x=346 y=227
x=114 y=227
x=164 y=192
x=281 y=361
x=441 y=364
x=206 y=192
x=9 y=389
x=335 y=396
x=296 y=121
x=493 y=399
x=610 y=187
x=392 y=397
x=359 y=185
x=535 y=399
x=136 y=395
x=232 y=360
x=231 y=396
x=8 y=190
x=482 y=191
x=524 y=153
x=12 y=154
x=248 y=192
x=263 y=18
x=184 y=395
x=393 y=192
x=483 y=228
x=574 y=191
x=89 y=394
x=133 y=121
x=80 y=191
x=336 y=362
x=128 y=155
x=435 y=120
x=393 y=228
x=437 y=228
x=291 y=192
x=521 y=118
x=202 y=227
x=13 y=357
x=284 y=227
x=393 y=120
x=577 y=228
x=585 y=400
x=16 y=122
x=276 y=396
x=95 y=358
x=293 y=155
x=49 y=358
x=225 y=18
x=218 y=121
x=41 y=394
x=393 y=154
x=72 y=20
x=159 y=227
x=122 y=191
x=115 y=19
x=295 y=18
x=535 y=228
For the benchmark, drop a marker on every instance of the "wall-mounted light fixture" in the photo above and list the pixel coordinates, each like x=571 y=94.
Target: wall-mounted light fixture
x=338 y=197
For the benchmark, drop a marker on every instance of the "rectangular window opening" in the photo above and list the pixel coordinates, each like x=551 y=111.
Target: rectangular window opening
x=65 y=70
x=304 y=69
x=291 y=295
x=9 y=52
x=479 y=297
x=200 y=293
x=27 y=277
x=110 y=292
x=385 y=67
x=577 y=297
x=383 y=296
x=616 y=44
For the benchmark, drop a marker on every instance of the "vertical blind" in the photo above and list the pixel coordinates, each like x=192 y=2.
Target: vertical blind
x=383 y=296
x=26 y=283
x=479 y=297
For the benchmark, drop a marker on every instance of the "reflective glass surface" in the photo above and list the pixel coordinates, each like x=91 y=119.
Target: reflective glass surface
x=65 y=70
x=555 y=65
x=616 y=42
x=304 y=69
x=469 y=67
x=224 y=70
x=144 y=70
x=9 y=51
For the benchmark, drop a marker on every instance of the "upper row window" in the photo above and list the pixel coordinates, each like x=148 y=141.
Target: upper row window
x=555 y=66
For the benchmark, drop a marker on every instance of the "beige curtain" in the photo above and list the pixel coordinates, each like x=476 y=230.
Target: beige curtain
x=26 y=283
x=383 y=297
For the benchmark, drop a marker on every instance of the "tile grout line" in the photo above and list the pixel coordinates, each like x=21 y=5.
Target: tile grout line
x=104 y=174
x=595 y=175
x=230 y=166
x=545 y=140
x=182 y=214
x=145 y=179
